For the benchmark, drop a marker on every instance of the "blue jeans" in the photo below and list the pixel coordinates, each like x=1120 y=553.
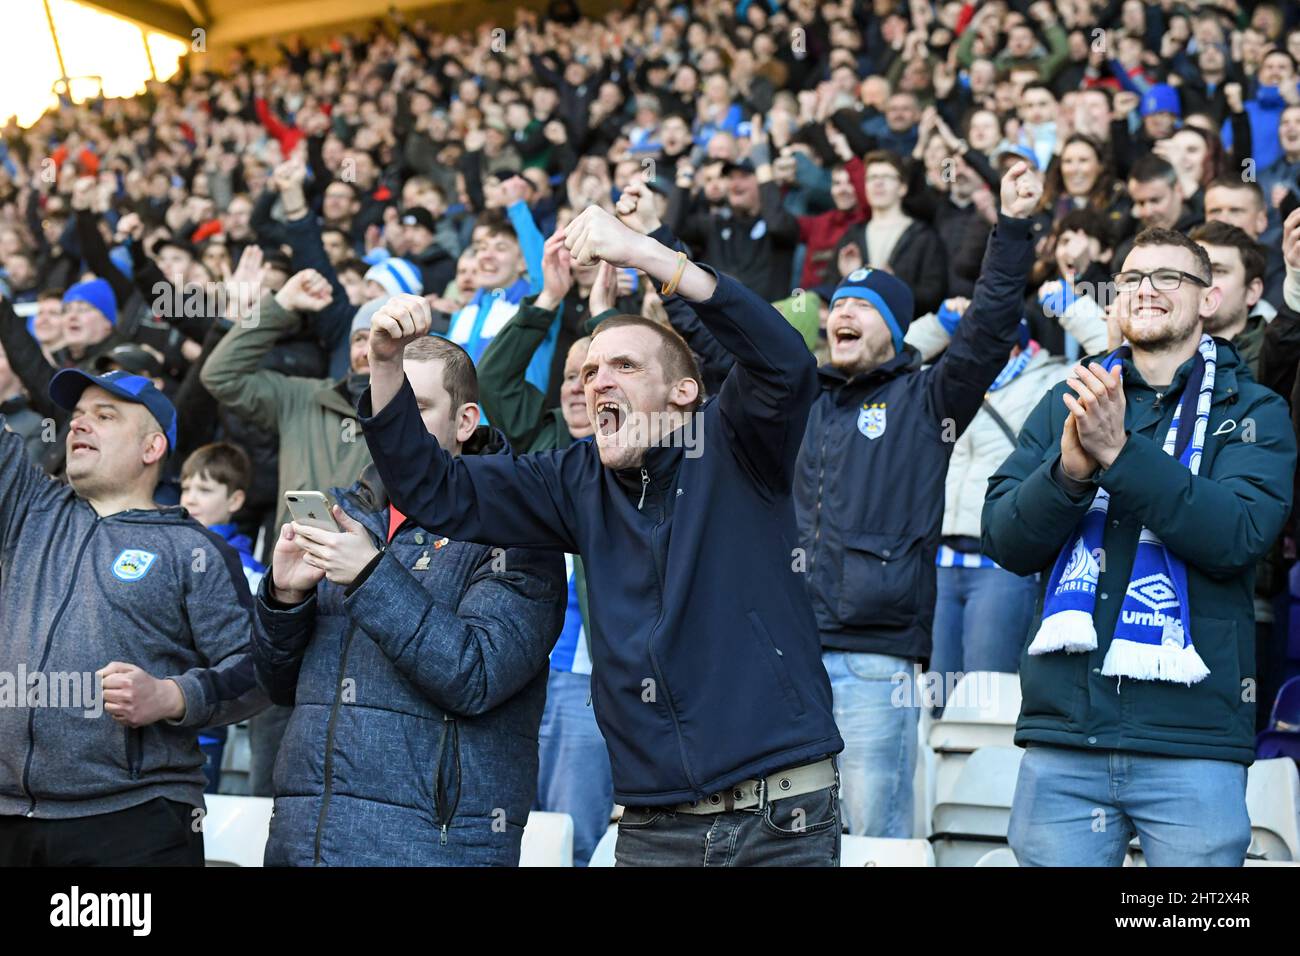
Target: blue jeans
x=879 y=758
x=573 y=763
x=212 y=753
x=1081 y=808
x=981 y=618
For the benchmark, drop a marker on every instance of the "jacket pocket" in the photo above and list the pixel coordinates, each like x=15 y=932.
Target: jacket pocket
x=446 y=779
x=1211 y=706
x=1053 y=685
x=882 y=583
x=768 y=650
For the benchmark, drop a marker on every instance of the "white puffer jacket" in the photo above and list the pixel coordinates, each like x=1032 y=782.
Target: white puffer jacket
x=984 y=445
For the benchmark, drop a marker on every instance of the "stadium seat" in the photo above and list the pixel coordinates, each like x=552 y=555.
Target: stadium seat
x=603 y=855
x=1273 y=801
x=973 y=819
x=1003 y=856
x=981 y=712
x=874 y=851
x=923 y=784
x=236 y=762
x=235 y=829
x=1295 y=863
x=980 y=802
x=548 y=840
x=1282 y=736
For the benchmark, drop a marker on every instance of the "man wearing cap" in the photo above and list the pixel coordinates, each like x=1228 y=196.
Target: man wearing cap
x=128 y=629
x=437 y=266
x=753 y=236
x=869 y=495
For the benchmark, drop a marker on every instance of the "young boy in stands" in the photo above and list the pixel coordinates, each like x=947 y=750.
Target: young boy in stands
x=214 y=484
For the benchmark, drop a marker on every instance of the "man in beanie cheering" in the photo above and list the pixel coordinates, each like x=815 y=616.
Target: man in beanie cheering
x=869 y=494
x=89 y=318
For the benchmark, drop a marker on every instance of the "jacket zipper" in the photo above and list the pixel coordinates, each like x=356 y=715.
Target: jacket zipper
x=817 y=511
x=654 y=661
x=441 y=798
x=45 y=656
x=134 y=751
x=329 y=745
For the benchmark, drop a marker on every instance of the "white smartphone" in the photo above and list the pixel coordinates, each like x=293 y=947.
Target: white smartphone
x=313 y=509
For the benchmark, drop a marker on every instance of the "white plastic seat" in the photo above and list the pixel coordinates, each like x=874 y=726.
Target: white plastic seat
x=1273 y=802
x=548 y=840
x=1295 y=863
x=878 y=851
x=1002 y=856
x=235 y=829
x=962 y=853
x=980 y=712
x=603 y=855
x=923 y=788
x=980 y=802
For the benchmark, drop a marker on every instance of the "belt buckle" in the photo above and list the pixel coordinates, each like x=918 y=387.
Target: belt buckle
x=761 y=790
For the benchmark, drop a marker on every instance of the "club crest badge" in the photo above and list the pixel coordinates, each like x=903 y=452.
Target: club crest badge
x=871 y=419
x=132 y=565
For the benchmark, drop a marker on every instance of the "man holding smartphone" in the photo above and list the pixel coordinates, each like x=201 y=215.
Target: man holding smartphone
x=416 y=665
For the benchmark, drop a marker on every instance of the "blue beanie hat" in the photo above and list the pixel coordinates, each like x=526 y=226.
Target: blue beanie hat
x=97 y=293
x=397 y=275
x=889 y=294
x=1161 y=98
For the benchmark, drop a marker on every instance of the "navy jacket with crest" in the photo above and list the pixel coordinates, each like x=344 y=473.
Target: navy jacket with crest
x=869 y=489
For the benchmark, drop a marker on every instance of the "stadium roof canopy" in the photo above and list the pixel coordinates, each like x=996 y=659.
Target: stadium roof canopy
x=227 y=22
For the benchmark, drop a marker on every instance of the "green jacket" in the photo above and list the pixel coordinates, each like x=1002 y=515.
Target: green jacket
x=1249 y=341
x=518 y=408
x=321 y=445
x=1219 y=522
x=1058 y=51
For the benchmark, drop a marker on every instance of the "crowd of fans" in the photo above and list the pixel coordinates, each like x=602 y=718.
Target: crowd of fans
x=230 y=235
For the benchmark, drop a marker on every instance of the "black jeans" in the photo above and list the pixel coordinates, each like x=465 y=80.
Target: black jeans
x=793 y=831
x=158 y=833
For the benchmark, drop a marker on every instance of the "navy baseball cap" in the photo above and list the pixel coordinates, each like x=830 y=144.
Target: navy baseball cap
x=66 y=388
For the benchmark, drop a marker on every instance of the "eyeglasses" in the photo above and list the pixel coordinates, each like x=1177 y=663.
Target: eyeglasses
x=1162 y=280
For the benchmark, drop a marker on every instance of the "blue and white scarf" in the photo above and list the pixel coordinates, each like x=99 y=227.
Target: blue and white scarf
x=1152 y=639
x=1011 y=371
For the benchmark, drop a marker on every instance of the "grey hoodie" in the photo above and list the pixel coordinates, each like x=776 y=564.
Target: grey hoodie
x=152 y=588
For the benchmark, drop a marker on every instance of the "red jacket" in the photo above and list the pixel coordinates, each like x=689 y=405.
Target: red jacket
x=289 y=136
x=822 y=232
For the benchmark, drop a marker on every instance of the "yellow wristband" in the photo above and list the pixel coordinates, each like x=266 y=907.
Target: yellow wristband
x=671 y=286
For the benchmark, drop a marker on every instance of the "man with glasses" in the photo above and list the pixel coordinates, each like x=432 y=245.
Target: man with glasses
x=1145 y=488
